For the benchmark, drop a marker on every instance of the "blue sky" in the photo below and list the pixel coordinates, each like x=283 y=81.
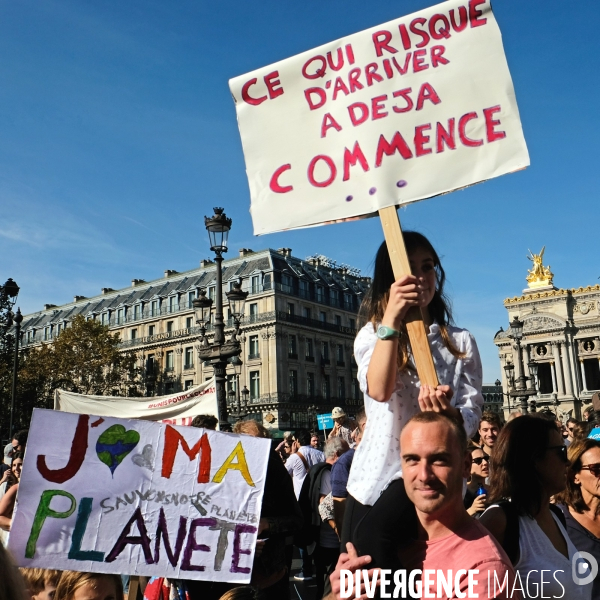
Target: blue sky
x=118 y=134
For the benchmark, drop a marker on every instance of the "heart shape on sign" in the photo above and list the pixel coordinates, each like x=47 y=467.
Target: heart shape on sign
x=115 y=444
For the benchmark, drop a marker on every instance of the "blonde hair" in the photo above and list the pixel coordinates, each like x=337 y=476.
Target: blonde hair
x=71 y=581
x=251 y=427
x=37 y=579
x=11 y=586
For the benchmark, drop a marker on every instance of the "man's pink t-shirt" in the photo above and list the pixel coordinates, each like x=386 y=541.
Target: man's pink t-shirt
x=470 y=548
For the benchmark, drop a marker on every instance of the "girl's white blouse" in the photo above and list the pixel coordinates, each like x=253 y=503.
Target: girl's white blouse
x=376 y=461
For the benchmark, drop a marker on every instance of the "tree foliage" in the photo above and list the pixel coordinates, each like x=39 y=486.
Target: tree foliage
x=84 y=358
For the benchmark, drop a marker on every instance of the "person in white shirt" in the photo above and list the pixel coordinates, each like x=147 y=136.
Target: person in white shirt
x=378 y=512
x=303 y=458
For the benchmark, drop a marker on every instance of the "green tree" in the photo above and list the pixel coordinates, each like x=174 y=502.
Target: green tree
x=84 y=358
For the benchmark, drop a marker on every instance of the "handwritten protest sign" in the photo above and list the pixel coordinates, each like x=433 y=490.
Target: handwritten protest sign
x=177 y=409
x=397 y=113
x=121 y=496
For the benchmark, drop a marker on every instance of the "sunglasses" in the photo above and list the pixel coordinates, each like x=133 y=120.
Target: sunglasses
x=562 y=452
x=480 y=459
x=594 y=469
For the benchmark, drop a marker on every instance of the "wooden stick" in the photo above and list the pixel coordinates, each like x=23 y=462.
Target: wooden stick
x=134 y=586
x=417 y=333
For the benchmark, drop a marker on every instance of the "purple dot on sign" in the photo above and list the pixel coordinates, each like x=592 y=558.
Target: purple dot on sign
x=372 y=190
x=349 y=198
x=401 y=183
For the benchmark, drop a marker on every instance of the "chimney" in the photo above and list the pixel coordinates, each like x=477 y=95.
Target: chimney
x=170 y=272
x=49 y=306
x=135 y=282
x=245 y=251
x=107 y=290
x=285 y=251
x=205 y=262
x=78 y=298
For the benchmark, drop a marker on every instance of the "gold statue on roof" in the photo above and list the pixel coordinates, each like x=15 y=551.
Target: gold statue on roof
x=539 y=275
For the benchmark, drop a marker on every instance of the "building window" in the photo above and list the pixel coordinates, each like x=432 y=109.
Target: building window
x=352 y=324
x=355 y=390
x=253 y=347
x=287 y=284
x=172 y=303
x=253 y=312
x=310 y=385
x=254 y=385
x=348 y=304
x=170 y=387
x=592 y=373
x=340 y=355
x=211 y=292
x=323 y=316
x=189 y=358
x=303 y=288
x=255 y=284
x=306 y=313
x=338 y=320
x=105 y=318
x=191 y=298
x=120 y=316
x=341 y=388
x=325 y=352
x=291 y=310
x=169 y=326
x=320 y=293
x=293 y=383
x=134 y=334
x=137 y=312
x=189 y=323
x=170 y=360
x=155 y=308
x=46 y=333
x=310 y=352
x=326 y=387
x=151 y=329
x=292 y=347
x=334 y=296
x=266 y=285
x=189 y=383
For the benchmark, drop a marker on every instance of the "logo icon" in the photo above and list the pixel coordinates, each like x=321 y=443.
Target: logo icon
x=584 y=568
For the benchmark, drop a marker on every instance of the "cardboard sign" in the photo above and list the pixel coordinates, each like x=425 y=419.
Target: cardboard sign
x=122 y=496
x=397 y=113
x=325 y=421
x=176 y=409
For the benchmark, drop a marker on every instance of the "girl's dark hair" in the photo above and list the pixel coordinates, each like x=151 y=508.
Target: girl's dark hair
x=572 y=496
x=375 y=301
x=513 y=475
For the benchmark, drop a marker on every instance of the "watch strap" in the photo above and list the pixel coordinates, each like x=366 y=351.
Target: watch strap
x=385 y=333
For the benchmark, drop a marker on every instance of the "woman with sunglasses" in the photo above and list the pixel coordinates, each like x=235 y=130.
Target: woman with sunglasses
x=580 y=501
x=475 y=498
x=529 y=466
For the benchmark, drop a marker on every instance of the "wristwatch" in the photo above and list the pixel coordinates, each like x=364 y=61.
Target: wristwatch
x=385 y=333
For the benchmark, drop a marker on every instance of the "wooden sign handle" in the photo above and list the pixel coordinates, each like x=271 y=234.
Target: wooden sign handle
x=417 y=333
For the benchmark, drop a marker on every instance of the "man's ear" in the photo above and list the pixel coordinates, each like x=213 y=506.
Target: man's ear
x=467 y=465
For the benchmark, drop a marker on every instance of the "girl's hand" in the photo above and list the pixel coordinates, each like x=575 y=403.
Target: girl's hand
x=404 y=294
x=479 y=505
x=437 y=399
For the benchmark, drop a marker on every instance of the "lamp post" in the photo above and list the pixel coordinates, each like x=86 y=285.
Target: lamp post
x=218 y=353
x=8 y=298
x=518 y=388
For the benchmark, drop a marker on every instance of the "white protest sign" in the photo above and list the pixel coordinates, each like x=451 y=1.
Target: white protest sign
x=177 y=409
x=397 y=113
x=123 y=496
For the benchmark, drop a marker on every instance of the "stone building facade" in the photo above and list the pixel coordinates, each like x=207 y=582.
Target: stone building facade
x=297 y=333
x=561 y=334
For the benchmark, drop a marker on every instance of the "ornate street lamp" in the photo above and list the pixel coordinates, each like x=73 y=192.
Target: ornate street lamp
x=518 y=388
x=9 y=292
x=220 y=351
x=15 y=320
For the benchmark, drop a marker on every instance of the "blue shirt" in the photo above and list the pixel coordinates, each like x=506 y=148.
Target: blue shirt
x=595 y=434
x=340 y=473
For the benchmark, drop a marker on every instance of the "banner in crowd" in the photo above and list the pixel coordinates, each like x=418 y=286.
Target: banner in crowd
x=177 y=409
x=136 y=497
x=404 y=111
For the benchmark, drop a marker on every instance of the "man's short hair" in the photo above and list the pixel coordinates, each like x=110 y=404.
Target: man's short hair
x=571 y=420
x=492 y=418
x=361 y=415
x=205 y=421
x=303 y=437
x=37 y=579
x=433 y=417
x=21 y=437
x=335 y=447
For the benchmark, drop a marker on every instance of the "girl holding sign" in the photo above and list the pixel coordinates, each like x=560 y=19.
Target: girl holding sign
x=379 y=515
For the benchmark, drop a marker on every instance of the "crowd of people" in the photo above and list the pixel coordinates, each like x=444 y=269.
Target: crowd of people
x=419 y=480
